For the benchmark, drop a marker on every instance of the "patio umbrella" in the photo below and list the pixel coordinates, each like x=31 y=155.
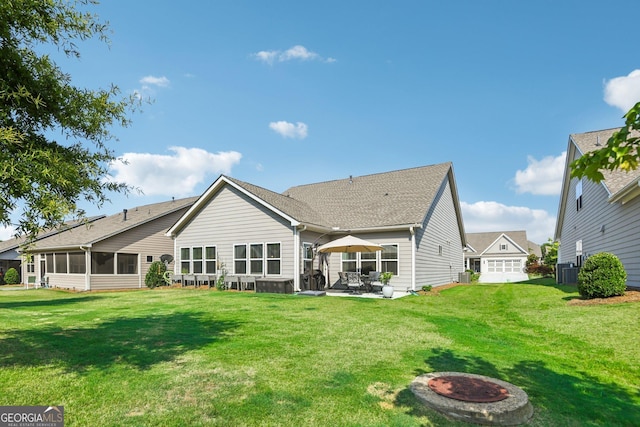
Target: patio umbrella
x=349 y=244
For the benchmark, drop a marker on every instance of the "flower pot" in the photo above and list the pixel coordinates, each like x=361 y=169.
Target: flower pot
x=387 y=291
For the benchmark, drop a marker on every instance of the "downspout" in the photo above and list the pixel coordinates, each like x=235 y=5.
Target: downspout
x=87 y=262
x=413 y=257
x=296 y=257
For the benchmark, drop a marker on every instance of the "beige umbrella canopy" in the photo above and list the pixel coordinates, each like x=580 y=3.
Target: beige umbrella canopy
x=349 y=244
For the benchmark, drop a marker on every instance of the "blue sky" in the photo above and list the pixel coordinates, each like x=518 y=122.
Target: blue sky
x=285 y=93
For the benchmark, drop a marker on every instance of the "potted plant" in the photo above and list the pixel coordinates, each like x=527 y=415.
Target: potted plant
x=387 y=289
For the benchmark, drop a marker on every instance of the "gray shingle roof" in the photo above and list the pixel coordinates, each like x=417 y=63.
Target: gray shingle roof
x=16 y=242
x=481 y=241
x=613 y=180
x=379 y=200
x=111 y=225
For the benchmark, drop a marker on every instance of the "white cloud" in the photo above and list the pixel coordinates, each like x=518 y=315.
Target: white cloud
x=290 y=130
x=7 y=233
x=172 y=175
x=623 y=92
x=149 y=83
x=155 y=81
x=493 y=216
x=297 y=52
x=541 y=177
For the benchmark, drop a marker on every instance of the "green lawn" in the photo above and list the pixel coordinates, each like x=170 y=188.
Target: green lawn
x=175 y=357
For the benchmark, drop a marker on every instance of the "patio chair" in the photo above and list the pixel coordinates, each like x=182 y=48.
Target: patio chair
x=353 y=282
x=188 y=278
x=344 y=281
x=374 y=281
x=232 y=282
x=247 y=283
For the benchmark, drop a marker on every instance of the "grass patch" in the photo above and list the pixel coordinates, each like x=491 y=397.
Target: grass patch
x=177 y=357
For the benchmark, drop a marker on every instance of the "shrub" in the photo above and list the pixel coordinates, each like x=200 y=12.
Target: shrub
x=602 y=275
x=426 y=288
x=540 y=269
x=11 y=277
x=155 y=275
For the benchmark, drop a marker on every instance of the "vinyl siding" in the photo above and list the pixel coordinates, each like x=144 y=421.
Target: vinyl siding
x=621 y=228
x=440 y=228
x=232 y=218
x=148 y=239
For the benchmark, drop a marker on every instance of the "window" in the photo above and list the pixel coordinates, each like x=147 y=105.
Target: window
x=77 y=263
x=578 y=253
x=273 y=258
x=504 y=247
x=127 y=263
x=102 y=263
x=307 y=256
x=31 y=266
x=197 y=260
x=240 y=259
x=368 y=262
x=349 y=261
x=579 y=195
x=256 y=259
x=210 y=263
x=389 y=258
x=185 y=260
x=60 y=262
x=440 y=250
x=149 y=258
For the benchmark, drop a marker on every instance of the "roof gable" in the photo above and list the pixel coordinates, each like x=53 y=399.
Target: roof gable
x=484 y=241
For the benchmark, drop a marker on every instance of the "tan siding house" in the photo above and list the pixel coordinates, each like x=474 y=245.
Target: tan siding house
x=248 y=230
x=603 y=217
x=111 y=252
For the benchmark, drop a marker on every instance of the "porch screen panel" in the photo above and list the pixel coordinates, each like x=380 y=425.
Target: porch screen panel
x=127 y=263
x=60 y=259
x=49 y=261
x=77 y=263
x=102 y=263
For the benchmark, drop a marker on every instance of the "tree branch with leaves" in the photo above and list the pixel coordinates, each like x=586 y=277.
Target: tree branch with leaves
x=54 y=136
x=620 y=152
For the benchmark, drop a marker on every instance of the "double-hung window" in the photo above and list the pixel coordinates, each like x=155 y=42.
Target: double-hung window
x=274 y=259
x=256 y=259
x=210 y=260
x=389 y=258
x=240 y=259
x=185 y=260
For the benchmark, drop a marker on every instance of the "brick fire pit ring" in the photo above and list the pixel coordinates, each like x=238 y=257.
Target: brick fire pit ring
x=473 y=398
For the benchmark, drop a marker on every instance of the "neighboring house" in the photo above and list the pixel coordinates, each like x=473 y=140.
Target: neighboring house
x=244 y=229
x=499 y=256
x=111 y=252
x=11 y=250
x=602 y=217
